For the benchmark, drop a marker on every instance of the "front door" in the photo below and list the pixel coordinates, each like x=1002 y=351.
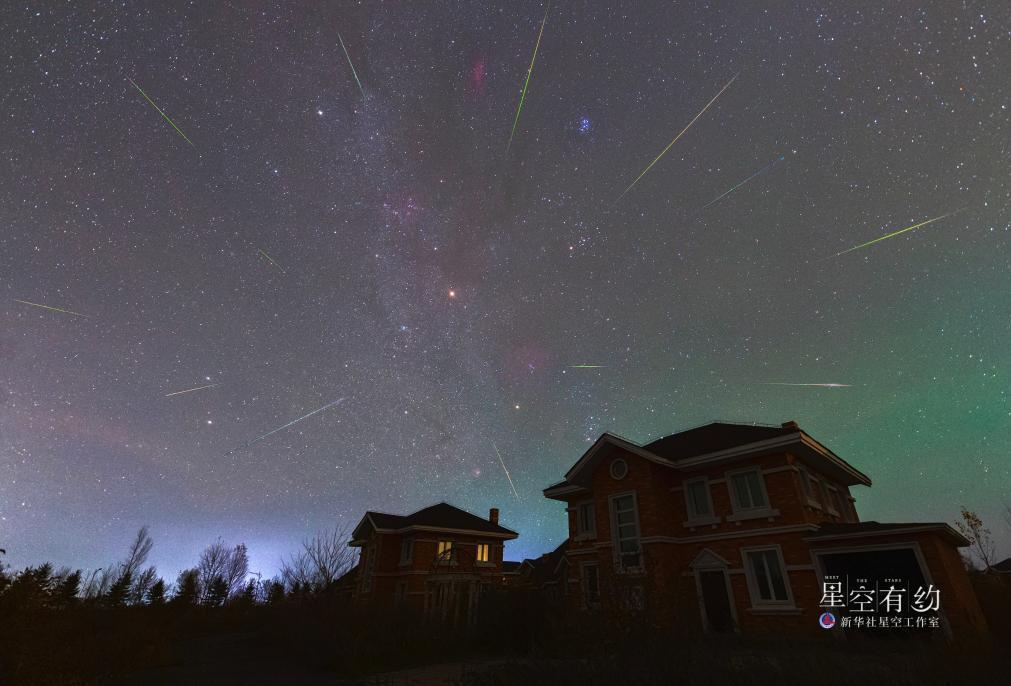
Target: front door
x=715 y=600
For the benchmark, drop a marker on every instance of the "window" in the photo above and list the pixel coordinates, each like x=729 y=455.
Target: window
x=748 y=491
x=406 y=550
x=841 y=503
x=626 y=530
x=697 y=497
x=591 y=585
x=832 y=500
x=400 y=593
x=619 y=468
x=586 y=519
x=482 y=552
x=766 y=577
x=446 y=552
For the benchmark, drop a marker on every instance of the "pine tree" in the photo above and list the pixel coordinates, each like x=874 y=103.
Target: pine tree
x=156 y=594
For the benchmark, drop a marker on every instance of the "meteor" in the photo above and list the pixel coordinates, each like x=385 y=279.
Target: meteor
x=262 y=252
x=523 y=95
x=160 y=112
x=353 y=72
x=47 y=307
x=190 y=390
x=894 y=233
x=502 y=462
x=281 y=428
x=669 y=145
x=766 y=167
x=815 y=385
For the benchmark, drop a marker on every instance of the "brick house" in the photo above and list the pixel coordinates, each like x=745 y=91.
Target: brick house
x=734 y=528
x=437 y=560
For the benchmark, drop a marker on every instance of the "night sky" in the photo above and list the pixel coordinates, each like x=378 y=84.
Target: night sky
x=302 y=240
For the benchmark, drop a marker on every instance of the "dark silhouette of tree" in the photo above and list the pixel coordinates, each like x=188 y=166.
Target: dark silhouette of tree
x=119 y=592
x=67 y=588
x=141 y=585
x=137 y=555
x=218 y=561
x=187 y=587
x=216 y=592
x=156 y=594
x=978 y=535
x=273 y=593
x=323 y=559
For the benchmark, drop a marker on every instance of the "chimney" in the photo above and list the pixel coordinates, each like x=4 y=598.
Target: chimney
x=791 y=425
x=493 y=515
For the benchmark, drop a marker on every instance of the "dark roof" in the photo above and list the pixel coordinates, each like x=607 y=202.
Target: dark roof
x=510 y=566
x=712 y=438
x=442 y=516
x=544 y=568
x=1003 y=566
x=856 y=529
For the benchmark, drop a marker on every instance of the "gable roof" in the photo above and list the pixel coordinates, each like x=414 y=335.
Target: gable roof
x=544 y=569
x=712 y=438
x=438 y=517
x=708 y=444
x=829 y=531
x=1003 y=566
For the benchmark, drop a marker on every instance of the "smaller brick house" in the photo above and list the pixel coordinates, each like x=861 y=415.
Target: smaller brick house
x=736 y=528
x=437 y=560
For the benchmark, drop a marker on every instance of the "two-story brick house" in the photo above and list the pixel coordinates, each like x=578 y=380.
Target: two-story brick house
x=730 y=527
x=437 y=560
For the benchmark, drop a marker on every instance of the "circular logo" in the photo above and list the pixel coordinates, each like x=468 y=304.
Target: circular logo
x=827 y=620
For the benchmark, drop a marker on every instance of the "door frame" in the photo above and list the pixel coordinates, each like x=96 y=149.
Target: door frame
x=708 y=561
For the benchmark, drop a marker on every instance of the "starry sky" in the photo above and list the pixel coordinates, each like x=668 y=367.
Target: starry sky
x=319 y=227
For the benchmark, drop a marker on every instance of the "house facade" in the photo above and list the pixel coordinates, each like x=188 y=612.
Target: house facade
x=437 y=560
x=743 y=528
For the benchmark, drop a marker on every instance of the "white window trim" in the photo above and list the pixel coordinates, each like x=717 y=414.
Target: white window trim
x=714 y=563
x=616 y=461
x=694 y=519
x=808 y=488
x=582 y=585
x=831 y=496
x=616 y=544
x=757 y=603
x=765 y=510
x=582 y=535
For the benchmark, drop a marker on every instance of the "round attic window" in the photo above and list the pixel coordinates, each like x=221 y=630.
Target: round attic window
x=619 y=468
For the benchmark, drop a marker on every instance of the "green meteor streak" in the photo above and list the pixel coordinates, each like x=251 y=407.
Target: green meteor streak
x=894 y=233
x=272 y=261
x=523 y=95
x=159 y=111
x=47 y=307
x=353 y=72
x=669 y=145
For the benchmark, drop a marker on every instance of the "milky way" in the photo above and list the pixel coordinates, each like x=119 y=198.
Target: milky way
x=485 y=317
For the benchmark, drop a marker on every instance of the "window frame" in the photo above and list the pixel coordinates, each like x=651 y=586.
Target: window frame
x=582 y=532
x=832 y=501
x=487 y=553
x=589 y=604
x=753 y=590
x=615 y=540
x=809 y=485
x=406 y=546
x=441 y=547
x=695 y=517
x=618 y=461
x=735 y=504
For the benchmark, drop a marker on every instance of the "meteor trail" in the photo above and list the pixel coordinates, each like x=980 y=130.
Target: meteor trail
x=523 y=95
x=353 y=72
x=280 y=428
x=190 y=390
x=262 y=252
x=47 y=307
x=502 y=462
x=816 y=385
x=669 y=145
x=894 y=233
x=160 y=112
x=768 y=166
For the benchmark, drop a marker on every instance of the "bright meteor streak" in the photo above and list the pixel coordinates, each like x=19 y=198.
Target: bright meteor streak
x=523 y=95
x=293 y=421
x=815 y=385
x=160 y=112
x=502 y=462
x=766 y=167
x=894 y=233
x=262 y=252
x=47 y=307
x=190 y=390
x=353 y=71
x=669 y=145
